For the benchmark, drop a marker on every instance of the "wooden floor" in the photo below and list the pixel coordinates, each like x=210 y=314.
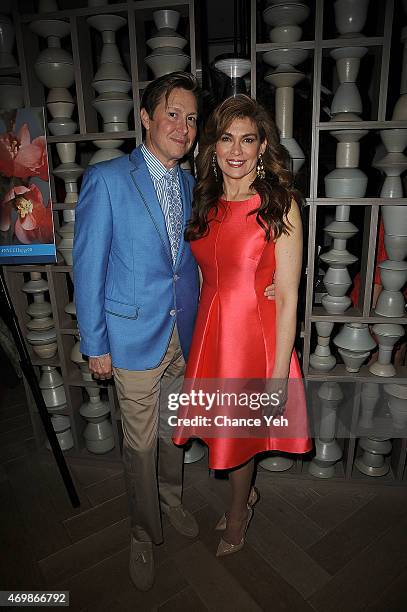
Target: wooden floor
x=312 y=545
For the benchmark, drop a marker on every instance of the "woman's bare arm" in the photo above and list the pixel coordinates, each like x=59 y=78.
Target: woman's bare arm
x=288 y=253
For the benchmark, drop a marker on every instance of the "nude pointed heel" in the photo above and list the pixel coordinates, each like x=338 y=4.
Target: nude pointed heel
x=225 y=548
x=252 y=501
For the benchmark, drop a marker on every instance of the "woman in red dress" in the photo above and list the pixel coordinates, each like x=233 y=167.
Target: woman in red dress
x=245 y=230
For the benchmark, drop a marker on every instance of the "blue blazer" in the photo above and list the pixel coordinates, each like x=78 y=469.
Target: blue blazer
x=128 y=293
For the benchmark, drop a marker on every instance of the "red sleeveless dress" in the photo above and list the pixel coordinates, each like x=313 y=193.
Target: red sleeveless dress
x=235 y=330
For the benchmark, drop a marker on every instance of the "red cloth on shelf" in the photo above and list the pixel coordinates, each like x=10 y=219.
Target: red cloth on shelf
x=381 y=255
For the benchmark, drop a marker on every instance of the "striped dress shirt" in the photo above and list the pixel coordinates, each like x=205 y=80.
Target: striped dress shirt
x=157 y=172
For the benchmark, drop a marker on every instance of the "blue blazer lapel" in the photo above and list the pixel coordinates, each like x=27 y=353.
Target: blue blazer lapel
x=144 y=185
x=186 y=208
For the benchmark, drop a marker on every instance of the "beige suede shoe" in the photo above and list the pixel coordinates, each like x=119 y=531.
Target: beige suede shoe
x=183 y=521
x=141 y=564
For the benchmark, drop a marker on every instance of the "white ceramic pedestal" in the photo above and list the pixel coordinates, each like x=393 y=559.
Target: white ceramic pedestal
x=167 y=54
x=327 y=450
x=54 y=68
x=41 y=335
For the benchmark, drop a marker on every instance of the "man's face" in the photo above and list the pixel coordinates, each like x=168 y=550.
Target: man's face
x=171 y=132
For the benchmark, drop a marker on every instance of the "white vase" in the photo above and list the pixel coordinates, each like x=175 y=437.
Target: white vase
x=164 y=60
x=347 y=97
x=111 y=80
x=284 y=77
x=322 y=360
x=233 y=67
x=393 y=163
x=68 y=170
x=41 y=335
x=355 y=337
x=387 y=335
x=395 y=220
x=11 y=93
x=114 y=108
x=54 y=68
x=107 y=149
x=337 y=280
x=60 y=104
x=372 y=462
x=54 y=65
x=396 y=246
x=286 y=13
x=166 y=37
x=350 y=16
x=397 y=401
x=52 y=388
x=166 y=18
x=195 y=452
x=369 y=397
x=62 y=428
x=98 y=433
x=7 y=59
x=335 y=305
x=391 y=301
x=327 y=449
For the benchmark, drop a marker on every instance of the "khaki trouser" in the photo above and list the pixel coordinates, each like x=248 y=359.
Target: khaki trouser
x=153 y=465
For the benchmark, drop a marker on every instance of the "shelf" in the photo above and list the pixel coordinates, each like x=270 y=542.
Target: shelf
x=66 y=331
x=107 y=9
x=380 y=319
x=359 y=476
x=61 y=268
x=92 y=136
x=372 y=41
x=356 y=201
x=63 y=206
x=359 y=41
x=54 y=361
x=320 y=314
x=79 y=12
x=27 y=268
x=360 y=125
x=77 y=381
x=9 y=71
x=301 y=44
x=339 y=374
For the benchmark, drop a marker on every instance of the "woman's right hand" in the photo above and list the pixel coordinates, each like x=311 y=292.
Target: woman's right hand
x=277 y=389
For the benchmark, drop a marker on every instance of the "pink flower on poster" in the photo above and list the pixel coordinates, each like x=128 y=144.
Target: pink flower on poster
x=34 y=220
x=22 y=158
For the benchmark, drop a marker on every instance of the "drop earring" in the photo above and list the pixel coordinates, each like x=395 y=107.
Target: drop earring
x=214 y=166
x=260 y=168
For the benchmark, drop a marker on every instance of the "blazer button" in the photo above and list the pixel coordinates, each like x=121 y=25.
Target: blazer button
x=173 y=312
x=176 y=277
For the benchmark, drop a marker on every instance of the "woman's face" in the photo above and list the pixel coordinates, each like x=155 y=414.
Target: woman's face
x=238 y=149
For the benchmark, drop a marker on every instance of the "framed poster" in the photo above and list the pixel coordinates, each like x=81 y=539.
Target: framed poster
x=26 y=224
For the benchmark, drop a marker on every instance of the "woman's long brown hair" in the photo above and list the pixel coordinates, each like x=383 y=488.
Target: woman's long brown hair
x=276 y=189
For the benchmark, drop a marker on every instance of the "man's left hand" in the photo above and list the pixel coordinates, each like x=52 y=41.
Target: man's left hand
x=269 y=291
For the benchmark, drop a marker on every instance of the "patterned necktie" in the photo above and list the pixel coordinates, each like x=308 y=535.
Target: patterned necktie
x=175 y=216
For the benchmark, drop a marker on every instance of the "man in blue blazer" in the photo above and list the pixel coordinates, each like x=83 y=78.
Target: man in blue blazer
x=136 y=294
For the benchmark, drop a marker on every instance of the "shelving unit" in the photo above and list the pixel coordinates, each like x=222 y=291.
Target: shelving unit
x=84 y=44
x=311 y=127
x=381 y=37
